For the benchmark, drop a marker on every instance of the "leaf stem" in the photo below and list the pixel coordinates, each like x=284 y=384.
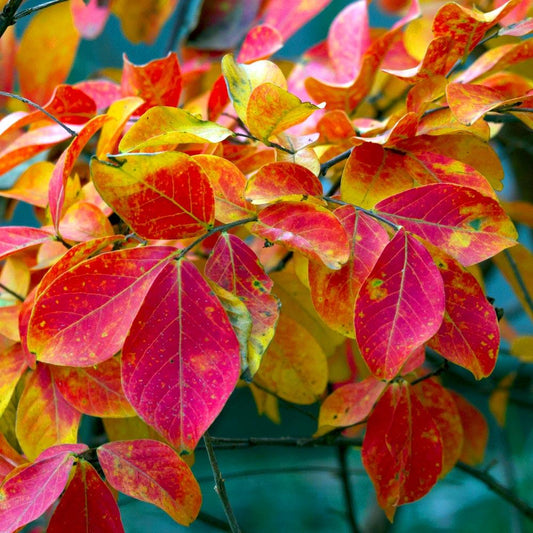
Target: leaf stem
x=30 y=10
x=519 y=279
x=71 y=132
x=13 y=293
x=342 y=452
x=369 y=212
x=220 y=487
x=324 y=167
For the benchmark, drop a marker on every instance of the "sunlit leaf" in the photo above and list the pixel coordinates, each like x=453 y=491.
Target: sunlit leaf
x=165 y=195
x=522 y=347
x=83 y=316
x=464 y=223
x=260 y=42
x=334 y=291
x=305 y=228
x=83 y=221
x=94 y=390
x=402 y=450
x=235 y=267
x=44 y=418
x=27 y=494
x=32 y=186
x=53 y=26
x=170 y=358
x=152 y=472
x=15 y=238
x=12 y=366
x=86 y=505
x=399 y=307
x=163 y=125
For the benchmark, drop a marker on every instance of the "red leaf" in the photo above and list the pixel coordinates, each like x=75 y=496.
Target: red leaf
x=399 y=307
x=306 y=228
x=464 y=223
x=83 y=316
x=334 y=292
x=44 y=418
x=469 y=335
x=276 y=180
x=157 y=82
x=65 y=164
x=9 y=458
x=30 y=491
x=181 y=347
x=164 y=195
x=152 y=472
x=236 y=268
x=87 y=505
x=103 y=92
x=15 y=238
x=94 y=390
x=351 y=403
x=402 y=450
x=260 y=42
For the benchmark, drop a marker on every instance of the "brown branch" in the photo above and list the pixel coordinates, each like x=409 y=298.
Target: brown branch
x=13 y=293
x=30 y=10
x=7 y=17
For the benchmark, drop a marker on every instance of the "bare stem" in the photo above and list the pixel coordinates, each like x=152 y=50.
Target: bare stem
x=30 y=10
x=519 y=279
x=324 y=167
x=347 y=488
x=71 y=132
x=13 y=293
x=220 y=487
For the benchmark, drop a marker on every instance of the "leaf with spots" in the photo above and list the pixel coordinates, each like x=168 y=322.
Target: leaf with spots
x=469 y=335
x=84 y=315
x=307 y=228
x=236 y=268
x=181 y=360
x=30 y=490
x=467 y=225
x=165 y=195
x=402 y=449
x=44 y=418
x=400 y=305
x=86 y=505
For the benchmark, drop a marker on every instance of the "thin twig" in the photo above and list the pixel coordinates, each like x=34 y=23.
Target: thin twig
x=442 y=368
x=324 y=167
x=30 y=10
x=13 y=293
x=347 y=488
x=282 y=263
x=71 y=132
x=498 y=488
x=519 y=279
x=369 y=212
x=220 y=487
x=213 y=521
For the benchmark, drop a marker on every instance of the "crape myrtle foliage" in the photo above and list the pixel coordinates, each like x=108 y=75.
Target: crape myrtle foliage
x=307 y=230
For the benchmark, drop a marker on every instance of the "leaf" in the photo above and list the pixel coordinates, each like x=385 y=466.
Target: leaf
x=236 y=268
x=142 y=21
x=94 y=390
x=499 y=398
x=351 y=403
x=16 y=238
x=83 y=221
x=475 y=429
x=83 y=316
x=12 y=366
x=272 y=110
x=443 y=411
x=9 y=458
x=516 y=264
x=306 y=228
x=89 y=19
x=334 y=292
x=32 y=185
x=276 y=180
x=181 y=347
x=522 y=347
x=163 y=125
x=86 y=505
x=31 y=490
x=53 y=26
x=165 y=195
x=294 y=367
x=129 y=428
x=260 y=42
x=64 y=165
x=399 y=307
x=469 y=335
x=157 y=82
x=241 y=80
x=402 y=451
x=44 y=418
x=464 y=223
x=228 y=184
x=152 y=472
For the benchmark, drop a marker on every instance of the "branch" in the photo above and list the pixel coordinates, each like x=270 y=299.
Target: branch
x=369 y=212
x=72 y=133
x=347 y=488
x=7 y=17
x=30 y=10
x=324 y=167
x=220 y=487
x=519 y=279
x=13 y=293
x=498 y=488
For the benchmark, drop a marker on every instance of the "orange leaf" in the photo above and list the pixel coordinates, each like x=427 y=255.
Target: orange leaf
x=12 y=366
x=51 y=30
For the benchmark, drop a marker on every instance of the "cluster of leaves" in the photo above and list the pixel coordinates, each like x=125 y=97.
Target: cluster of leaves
x=199 y=232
